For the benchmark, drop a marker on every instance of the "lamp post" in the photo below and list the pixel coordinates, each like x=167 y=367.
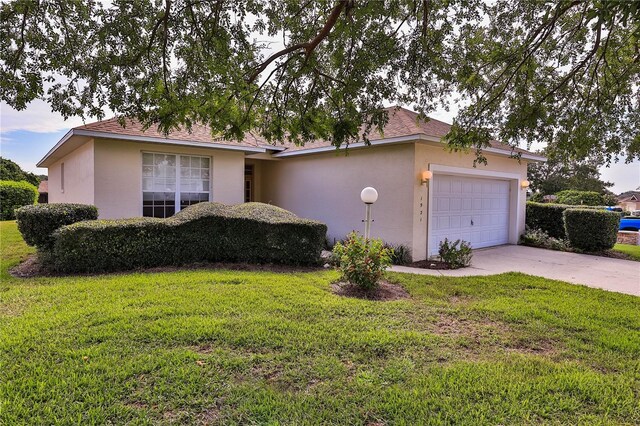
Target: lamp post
x=368 y=196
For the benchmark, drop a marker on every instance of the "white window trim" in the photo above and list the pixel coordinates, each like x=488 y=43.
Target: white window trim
x=177 y=192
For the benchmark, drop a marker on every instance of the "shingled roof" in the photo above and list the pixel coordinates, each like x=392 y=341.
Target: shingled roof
x=402 y=123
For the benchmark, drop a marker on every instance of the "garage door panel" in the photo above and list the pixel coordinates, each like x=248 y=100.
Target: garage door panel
x=460 y=201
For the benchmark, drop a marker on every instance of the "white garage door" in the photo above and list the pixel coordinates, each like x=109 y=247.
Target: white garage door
x=470 y=209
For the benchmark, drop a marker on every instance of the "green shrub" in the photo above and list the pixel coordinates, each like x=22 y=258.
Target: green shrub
x=579 y=198
x=546 y=217
x=609 y=199
x=205 y=232
x=14 y=195
x=400 y=254
x=362 y=262
x=539 y=238
x=37 y=223
x=536 y=197
x=591 y=230
x=456 y=254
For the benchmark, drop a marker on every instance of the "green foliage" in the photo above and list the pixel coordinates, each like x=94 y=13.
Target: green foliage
x=457 y=254
x=340 y=62
x=37 y=223
x=539 y=238
x=546 y=217
x=559 y=173
x=400 y=254
x=11 y=171
x=362 y=262
x=609 y=200
x=536 y=197
x=241 y=347
x=14 y=195
x=576 y=198
x=591 y=230
x=205 y=232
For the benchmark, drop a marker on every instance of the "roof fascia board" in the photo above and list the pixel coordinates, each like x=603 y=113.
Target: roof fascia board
x=389 y=141
x=152 y=139
x=404 y=139
x=149 y=139
x=55 y=147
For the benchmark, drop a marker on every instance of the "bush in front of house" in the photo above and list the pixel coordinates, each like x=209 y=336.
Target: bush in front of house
x=546 y=217
x=457 y=254
x=14 y=195
x=205 y=232
x=400 y=254
x=576 y=198
x=362 y=262
x=539 y=238
x=37 y=223
x=591 y=230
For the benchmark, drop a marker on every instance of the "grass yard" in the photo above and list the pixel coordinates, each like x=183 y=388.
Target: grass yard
x=229 y=347
x=632 y=251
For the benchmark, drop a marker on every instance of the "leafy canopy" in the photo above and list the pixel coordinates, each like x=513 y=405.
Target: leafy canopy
x=561 y=72
x=555 y=175
x=12 y=171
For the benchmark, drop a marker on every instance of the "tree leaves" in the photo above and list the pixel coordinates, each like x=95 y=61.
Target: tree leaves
x=564 y=73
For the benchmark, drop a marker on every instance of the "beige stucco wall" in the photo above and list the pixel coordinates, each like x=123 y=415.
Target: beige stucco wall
x=78 y=177
x=327 y=187
x=428 y=157
x=118 y=175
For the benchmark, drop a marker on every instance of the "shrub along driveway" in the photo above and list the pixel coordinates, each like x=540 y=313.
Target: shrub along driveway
x=622 y=276
x=230 y=347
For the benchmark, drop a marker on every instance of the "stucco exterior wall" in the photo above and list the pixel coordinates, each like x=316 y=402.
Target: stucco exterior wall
x=427 y=156
x=327 y=187
x=118 y=175
x=78 y=177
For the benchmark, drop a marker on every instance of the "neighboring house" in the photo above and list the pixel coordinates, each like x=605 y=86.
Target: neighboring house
x=43 y=192
x=630 y=201
x=129 y=172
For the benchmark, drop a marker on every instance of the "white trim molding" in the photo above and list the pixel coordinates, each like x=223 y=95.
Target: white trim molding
x=405 y=139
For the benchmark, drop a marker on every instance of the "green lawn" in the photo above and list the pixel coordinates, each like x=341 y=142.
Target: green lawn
x=628 y=249
x=226 y=347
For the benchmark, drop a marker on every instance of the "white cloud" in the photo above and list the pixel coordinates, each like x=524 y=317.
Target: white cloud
x=625 y=176
x=37 y=117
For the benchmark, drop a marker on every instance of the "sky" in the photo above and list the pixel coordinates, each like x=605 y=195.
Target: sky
x=27 y=135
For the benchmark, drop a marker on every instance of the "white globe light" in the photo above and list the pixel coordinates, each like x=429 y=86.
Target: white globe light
x=369 y=195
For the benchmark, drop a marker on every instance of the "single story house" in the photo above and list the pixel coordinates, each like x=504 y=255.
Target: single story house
x=426 y=192
x=630 y=201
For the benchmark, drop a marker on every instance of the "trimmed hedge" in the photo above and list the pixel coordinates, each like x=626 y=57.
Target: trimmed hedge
x=591 y=230
x=546 y=217
x=549 y=217
x=204 y=232
x=38 y=223
x=579 y=198
x=14 y=195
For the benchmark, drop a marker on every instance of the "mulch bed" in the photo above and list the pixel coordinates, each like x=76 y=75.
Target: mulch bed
x=385 y=291
x=31 y=267
x=429 y=264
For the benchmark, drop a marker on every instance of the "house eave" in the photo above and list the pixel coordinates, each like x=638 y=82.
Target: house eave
x=407 y=139
x=147 y=139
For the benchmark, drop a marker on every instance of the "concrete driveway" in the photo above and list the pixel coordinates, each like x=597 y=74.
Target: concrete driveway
x=622 y=276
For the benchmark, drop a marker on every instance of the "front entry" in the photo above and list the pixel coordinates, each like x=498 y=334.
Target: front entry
x=471 y=209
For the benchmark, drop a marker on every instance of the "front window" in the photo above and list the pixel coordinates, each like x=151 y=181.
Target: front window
x=172 y=182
